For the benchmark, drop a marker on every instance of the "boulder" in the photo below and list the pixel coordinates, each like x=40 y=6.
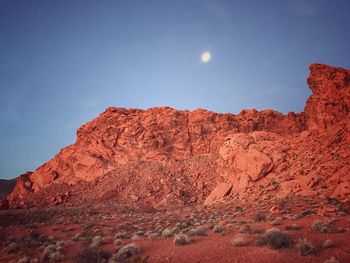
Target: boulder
x=219 y=192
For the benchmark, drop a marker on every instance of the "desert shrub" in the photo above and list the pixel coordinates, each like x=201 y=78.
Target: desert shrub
x=118 y=241
x=277 y=239
x=308 y=212
x=331 y=260
x=341 y=230
x=152 y=235
x=137 y=259
x=13 y=248
x=260 y=216
x=120 y=235
x=34 y=234
x=197 y=231
x=260 y=242
x=328 y=244
x=240 y=240
x=181 y=239
x=305 y=247
x=276 y=222
x=219 y=229
x=244 y=229
x=320 y=226
x=52 y=253
x=128 y=251
x=257 y=231
x=106 y=240
x=297 y=217
x=139 y=233
x=24 y=259
x=135 y=237
x=92 y=256
x=77 y=237
x=167 y=233
x=96 y=242
x=293 y=227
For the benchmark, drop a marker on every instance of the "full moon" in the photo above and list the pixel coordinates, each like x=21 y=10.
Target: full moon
x=206 y=56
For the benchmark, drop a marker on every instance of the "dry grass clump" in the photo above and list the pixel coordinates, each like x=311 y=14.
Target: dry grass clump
x=89 y=255
x=244 y=229
x=305 y=247
x=341 y=230
x=152 y=235
x=219 y=229
x=331 y=260
x=118 y=242
x=320 y=226
x=275 y=239
x=328 y=244
x=293 y=227
x=96 y=242
x=120 y=235
x=181 y=239
x=167 y=233
x=257 y=231
x=260 y=242
x=276 y=222
x=197 y=231
x=13 y=248
x=24 y=259
x=127 y=251
x=260 y=216
x=52 y=253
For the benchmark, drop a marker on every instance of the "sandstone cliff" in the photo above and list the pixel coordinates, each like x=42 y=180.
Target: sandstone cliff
x=162 y=155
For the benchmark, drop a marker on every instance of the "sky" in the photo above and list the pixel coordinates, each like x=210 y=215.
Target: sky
x=64 y=62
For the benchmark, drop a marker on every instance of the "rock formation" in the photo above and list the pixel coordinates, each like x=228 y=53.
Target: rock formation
x=164 y=156
x=6 y=187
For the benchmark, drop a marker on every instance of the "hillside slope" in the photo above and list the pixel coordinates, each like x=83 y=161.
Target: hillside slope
x=164 y=156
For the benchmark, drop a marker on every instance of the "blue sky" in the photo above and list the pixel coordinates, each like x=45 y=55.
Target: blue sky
x=63 y=62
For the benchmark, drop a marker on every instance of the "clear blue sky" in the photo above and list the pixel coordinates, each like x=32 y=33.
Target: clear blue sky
x=63 y=62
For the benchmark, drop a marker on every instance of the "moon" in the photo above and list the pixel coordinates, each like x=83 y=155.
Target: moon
x=206 y=57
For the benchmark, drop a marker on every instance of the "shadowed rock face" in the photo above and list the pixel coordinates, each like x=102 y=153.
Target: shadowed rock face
x=6 y=187
x=162 y=155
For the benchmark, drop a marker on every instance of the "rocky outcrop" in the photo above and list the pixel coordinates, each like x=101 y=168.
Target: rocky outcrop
x=247 y=158
x=6 y=187
x=330 y=101
x=162 y=155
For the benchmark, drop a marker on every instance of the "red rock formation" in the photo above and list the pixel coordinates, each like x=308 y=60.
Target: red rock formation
x=330 y=101
x=6 y=187
x=162 y=155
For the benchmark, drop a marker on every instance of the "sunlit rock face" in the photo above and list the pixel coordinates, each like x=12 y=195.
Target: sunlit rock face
x=163 y=156
x=329 y=104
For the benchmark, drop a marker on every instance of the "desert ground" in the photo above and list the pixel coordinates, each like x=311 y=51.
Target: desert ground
x=296 y=229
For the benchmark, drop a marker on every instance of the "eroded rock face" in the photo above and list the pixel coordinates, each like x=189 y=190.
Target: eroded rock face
x=247 y=158
x=330 y=101
x=162 y=155
x=22 y=189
